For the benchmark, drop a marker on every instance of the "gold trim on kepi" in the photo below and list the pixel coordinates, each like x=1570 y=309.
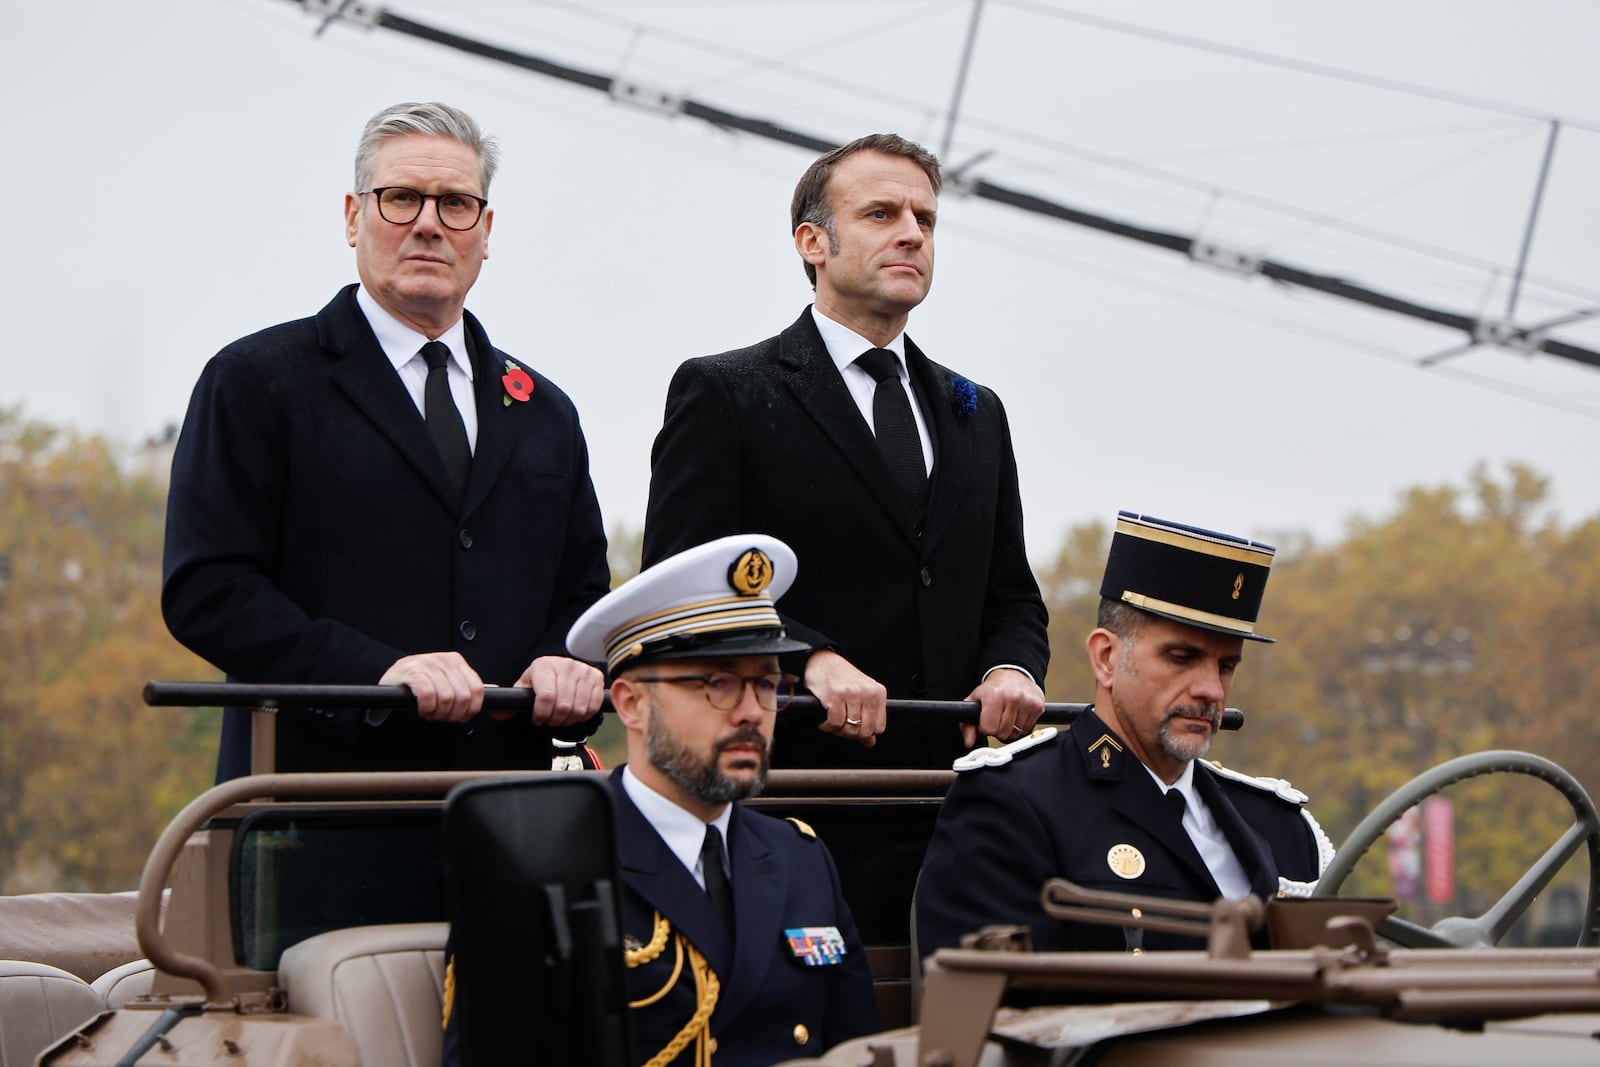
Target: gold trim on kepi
x=716 y=599
x=1200 y=577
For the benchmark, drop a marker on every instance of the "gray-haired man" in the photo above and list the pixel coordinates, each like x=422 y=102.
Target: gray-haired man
x=376 y=494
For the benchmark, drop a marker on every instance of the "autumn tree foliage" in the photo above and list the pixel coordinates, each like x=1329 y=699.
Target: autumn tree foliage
x=88 y=775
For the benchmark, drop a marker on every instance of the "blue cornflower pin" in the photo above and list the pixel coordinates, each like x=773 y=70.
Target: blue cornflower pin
x=964 y=394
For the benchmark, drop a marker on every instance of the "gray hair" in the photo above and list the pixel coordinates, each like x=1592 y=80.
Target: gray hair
x=434 y=119
x=812 y=200
x=1122 y=619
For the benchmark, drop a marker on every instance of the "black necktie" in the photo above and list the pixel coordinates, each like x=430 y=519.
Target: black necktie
x=449 y=433
x=1176 y=801
x=894 y=425
x=717 y=887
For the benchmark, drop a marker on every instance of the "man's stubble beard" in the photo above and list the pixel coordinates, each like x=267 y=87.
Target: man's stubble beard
x=703 y=777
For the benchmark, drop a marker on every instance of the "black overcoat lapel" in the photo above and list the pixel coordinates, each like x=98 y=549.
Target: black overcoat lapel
x=807 y=371
x=365 y=375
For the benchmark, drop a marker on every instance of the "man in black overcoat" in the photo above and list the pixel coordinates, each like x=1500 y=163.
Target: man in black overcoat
x=896 y=485
x=378 y=495
x=1121 y=800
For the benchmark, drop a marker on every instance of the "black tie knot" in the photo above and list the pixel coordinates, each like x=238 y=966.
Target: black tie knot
x=880 y=363
x=439 y=410
x=717 y=886
x=1176 y=801
x=437 y=353
x=895 y=427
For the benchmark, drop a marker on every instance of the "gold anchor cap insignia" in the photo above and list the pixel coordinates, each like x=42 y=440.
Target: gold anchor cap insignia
x=750 y=573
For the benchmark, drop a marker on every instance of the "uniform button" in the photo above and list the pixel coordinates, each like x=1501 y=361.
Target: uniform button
x=468 y=630
x=466 y=538
x=916 y=685
x=801 y=1034
x=711 y=1046
x=927 y=576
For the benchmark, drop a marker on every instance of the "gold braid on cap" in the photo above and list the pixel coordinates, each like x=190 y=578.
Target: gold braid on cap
x=706 y=985
x=715 y=615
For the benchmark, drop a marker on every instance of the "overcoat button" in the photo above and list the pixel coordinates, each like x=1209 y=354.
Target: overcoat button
x=468 y=630
x=927 y=576
x=801 y=1034
x=466 y=538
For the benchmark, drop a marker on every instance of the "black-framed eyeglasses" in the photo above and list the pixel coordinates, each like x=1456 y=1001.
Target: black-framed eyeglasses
x=724 y=689
x=401 y=206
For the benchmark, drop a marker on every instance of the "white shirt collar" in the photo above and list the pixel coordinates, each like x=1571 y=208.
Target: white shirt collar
x=845 y=345
x=682 y=831
x=401 y=342
x=1184 y=784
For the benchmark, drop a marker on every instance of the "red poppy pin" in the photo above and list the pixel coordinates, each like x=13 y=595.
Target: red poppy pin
x=518 y=383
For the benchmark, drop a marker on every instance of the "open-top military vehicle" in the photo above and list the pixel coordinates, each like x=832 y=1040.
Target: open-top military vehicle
x=301 y=919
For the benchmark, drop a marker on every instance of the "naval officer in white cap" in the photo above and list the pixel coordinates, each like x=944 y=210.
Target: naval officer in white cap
x=741 y=951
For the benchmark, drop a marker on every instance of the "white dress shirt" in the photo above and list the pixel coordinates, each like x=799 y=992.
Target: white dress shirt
x=1208 y=837
x=683 y=831
x=403 y=346
x=845 y=347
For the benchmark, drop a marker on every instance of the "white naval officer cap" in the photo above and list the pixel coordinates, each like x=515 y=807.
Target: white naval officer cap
x=716 y=599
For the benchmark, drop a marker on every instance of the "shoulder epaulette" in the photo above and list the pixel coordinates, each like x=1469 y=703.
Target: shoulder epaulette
x=1281 y=788
x=1277 y=786
x=804 y=827
x=979 y=758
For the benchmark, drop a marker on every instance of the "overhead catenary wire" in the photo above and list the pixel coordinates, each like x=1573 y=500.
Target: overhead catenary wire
x=1321 y=70
x=1286 y=273
x=814 y=77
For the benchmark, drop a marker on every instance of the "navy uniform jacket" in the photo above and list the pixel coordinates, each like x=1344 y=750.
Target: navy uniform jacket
x=313 y=537
x=1059 y=809
x=771 y=1006
x=768 y=439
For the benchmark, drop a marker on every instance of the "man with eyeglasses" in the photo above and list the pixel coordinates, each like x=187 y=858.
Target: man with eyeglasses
x=377 y=494
x=737 y=939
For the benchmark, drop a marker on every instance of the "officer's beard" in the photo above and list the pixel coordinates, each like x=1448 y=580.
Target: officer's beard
x=702 y=777
x=1183 y=744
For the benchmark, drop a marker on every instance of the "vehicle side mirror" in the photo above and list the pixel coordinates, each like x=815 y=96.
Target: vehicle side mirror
x=533 y=896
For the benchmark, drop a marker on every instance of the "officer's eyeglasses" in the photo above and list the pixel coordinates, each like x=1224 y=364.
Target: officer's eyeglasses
x=401 y=206
x=724 y=689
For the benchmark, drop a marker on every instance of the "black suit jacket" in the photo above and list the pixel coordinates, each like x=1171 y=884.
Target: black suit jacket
x=767 y=439
x=1059 y=809
x=313 y=536
x=771 y=1006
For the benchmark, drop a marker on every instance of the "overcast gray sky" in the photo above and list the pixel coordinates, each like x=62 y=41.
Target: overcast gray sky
x=178 y=169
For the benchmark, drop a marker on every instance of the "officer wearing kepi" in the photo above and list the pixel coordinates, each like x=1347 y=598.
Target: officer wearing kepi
x=1121 y=800
x=740 y=949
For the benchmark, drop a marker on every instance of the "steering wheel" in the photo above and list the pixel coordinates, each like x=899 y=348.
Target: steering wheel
x=1487 y=929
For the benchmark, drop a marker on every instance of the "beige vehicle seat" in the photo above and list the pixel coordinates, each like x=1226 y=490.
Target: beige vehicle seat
x=127 y=982
x=383 y=984
x=40 y=1004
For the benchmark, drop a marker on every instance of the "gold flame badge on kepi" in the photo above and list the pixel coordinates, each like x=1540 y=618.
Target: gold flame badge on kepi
x=1125 y=861
x=750 y=573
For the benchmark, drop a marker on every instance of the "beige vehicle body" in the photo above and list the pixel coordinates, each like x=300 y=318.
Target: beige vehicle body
x=304 y=972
